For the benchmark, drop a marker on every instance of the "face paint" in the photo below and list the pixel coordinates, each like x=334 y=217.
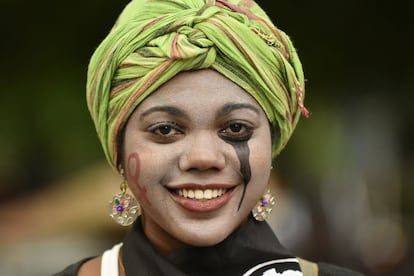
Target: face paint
x=243 y=153
x=133 y=174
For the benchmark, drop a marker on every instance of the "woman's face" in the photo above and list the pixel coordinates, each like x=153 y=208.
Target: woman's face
x=197 y=155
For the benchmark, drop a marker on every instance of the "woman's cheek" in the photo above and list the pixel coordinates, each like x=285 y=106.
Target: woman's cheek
x=261 y=161
x=133 y=174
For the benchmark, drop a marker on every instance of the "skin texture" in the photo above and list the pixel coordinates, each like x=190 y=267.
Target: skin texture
x=198 y=131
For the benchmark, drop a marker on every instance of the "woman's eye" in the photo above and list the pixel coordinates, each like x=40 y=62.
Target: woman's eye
x=236 y=127
x=236 y=132
x=165 y=130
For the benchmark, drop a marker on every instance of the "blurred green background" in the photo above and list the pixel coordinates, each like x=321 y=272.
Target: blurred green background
x=345 y=181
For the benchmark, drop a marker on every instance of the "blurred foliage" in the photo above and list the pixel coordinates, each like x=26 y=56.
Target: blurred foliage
x=45 y=49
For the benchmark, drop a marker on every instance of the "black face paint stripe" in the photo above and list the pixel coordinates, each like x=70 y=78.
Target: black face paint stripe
x=243 y=153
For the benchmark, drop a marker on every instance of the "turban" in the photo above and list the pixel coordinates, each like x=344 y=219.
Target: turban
x=154 y=40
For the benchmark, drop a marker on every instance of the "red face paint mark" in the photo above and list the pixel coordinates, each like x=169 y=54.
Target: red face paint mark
x=133 y=175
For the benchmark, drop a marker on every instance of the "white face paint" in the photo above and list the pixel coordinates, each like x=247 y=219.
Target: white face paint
x=189 y=147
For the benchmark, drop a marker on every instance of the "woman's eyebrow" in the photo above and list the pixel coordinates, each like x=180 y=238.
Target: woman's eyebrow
x=171 y=110
x=230 y=107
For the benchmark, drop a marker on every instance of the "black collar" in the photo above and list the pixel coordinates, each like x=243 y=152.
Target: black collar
x=252 y=245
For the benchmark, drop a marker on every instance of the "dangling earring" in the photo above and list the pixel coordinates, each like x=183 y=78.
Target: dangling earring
x=123 y=207
x=264 y=206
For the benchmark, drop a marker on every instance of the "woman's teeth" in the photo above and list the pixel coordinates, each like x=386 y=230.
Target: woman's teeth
x=201 y=194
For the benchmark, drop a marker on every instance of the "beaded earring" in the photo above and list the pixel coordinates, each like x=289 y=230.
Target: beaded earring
x=264 y=206
x=123 y=207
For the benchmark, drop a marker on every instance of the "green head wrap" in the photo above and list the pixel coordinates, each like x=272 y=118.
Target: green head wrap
x=154 y=40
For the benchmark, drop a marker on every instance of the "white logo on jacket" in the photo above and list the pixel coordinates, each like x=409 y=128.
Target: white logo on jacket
x=269 y=269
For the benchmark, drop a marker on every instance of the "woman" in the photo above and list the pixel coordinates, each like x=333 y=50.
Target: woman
x=192 y=99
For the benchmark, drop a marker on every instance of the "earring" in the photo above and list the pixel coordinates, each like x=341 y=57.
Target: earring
x=123 y=207
x=264 y=206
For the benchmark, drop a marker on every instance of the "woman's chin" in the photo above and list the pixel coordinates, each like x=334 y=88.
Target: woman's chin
x=206 y=240
x=203 y=235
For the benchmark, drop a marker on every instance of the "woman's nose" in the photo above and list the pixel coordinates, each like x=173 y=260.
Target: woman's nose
x=202 y=152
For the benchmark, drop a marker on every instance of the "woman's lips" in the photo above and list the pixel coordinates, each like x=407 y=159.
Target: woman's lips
x=202 y=200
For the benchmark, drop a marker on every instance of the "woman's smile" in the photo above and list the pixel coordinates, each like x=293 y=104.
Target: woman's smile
x=204 y=198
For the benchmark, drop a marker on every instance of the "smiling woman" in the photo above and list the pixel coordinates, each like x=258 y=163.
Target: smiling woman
x=192 y=100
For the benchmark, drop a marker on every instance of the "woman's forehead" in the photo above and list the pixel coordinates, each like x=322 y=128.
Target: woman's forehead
x=201 y=86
